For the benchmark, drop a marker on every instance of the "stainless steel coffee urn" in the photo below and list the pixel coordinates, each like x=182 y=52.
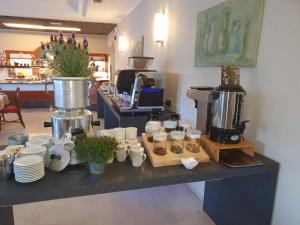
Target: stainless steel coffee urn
x=227 y=125
x=71 y=99
x=220 y=110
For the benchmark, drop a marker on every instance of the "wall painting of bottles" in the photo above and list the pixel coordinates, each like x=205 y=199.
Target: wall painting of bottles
x=229 y=34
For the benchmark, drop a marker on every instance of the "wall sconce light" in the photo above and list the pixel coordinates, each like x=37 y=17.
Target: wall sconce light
x=160 y=27
x=122 y=43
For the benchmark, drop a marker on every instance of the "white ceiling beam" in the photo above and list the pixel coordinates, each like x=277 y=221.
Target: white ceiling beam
x=85 y=7
x=75 y=5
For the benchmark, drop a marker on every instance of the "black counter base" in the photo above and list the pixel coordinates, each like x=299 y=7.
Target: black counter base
x=242 y=200
x=6 y=215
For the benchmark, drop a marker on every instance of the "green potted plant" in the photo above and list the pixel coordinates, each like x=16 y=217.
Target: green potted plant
x=96 y=151
x=69 y=61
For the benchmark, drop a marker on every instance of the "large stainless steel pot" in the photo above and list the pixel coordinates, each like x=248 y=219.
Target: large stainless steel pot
x=70 y=92
x=227 y=109
x=63 y=122
x=227 y=124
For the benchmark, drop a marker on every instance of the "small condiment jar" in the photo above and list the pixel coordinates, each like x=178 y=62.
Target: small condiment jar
x=170 y=125
x=176 y=142
x=152 y=126
x=192 y=142
x=184 y=126
x=160 y=143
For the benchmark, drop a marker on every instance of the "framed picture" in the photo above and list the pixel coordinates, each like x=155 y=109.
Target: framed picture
x=229 y=34
x=138 y=47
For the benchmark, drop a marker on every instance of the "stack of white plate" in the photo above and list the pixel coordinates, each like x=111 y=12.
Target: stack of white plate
x=29 y=168
x=35 y=150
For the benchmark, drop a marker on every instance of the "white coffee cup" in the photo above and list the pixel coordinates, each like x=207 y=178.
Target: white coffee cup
x=131 y=133
x=122 y=152
x=138 y=159
x=111 y=160
x=135 y=147
x=105 y=133
x=122 y=155
x=132 y=142
x=119 y=134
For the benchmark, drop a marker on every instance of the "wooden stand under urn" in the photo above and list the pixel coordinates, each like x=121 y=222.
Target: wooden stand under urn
x=214 y=149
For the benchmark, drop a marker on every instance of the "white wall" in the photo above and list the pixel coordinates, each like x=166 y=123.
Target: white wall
x=29 y=41
x=273 y=99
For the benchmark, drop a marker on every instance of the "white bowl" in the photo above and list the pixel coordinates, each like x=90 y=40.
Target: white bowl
x=189 y=163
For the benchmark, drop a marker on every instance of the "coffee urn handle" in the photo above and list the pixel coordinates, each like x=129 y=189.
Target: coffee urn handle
x=46 y=86
x=96 y=123
x=47 y=124
x=243 y=126
x=215 y=95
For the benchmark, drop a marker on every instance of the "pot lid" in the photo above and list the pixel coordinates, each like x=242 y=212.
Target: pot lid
x=59 y=158
x=160 y=136
x=177 y=135
x=170 y=124
x=194 y=134
x=70 y=78
x=231 y=89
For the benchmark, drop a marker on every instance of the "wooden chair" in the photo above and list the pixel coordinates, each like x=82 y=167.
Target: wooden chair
x=1 y=91
x=13 y=109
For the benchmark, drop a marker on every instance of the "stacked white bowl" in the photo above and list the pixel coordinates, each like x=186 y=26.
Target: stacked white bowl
x=35 y=150
x=29 y=168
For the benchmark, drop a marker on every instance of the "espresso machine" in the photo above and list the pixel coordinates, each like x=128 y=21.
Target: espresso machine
x=139 y=91
x=219 y=110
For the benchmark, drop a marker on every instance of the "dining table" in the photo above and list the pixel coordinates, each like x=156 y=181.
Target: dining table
x=4 y=101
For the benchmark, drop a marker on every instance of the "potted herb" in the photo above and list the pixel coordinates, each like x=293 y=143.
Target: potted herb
x=96 y=151
x=69 y=61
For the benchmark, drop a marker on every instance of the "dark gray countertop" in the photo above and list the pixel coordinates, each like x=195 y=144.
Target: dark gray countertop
x=118 y=177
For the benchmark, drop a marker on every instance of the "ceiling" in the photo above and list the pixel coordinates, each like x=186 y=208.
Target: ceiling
x=86 y=27
x=108 y=11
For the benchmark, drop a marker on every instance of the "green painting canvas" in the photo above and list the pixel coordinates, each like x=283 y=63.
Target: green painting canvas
x=229 y=34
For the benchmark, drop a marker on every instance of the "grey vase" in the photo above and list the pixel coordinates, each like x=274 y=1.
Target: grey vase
x=96 y=168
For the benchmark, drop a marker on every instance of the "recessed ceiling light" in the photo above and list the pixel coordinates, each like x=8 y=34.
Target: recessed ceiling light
x=57 y=24
x=40 y=27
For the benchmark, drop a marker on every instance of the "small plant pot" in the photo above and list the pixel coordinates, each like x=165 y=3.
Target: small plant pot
x=96 y=168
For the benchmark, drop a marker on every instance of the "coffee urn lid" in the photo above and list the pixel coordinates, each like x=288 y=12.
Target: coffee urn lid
x=237 y=88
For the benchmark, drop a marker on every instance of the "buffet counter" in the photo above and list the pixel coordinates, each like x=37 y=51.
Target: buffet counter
x=232 y=196
x=33 y=93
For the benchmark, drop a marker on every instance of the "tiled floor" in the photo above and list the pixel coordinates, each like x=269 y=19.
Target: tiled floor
x=34 y=123
x=172 y=205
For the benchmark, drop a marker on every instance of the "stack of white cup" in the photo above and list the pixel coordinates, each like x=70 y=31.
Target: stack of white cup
x=128 y=145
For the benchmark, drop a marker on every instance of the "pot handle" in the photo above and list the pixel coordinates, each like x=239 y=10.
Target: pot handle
x=46 y=85
x=95 y=123
x=216 y=95
x=47 y=124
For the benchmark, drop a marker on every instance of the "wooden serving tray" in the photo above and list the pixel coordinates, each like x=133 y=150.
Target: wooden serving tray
x=171 y=159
